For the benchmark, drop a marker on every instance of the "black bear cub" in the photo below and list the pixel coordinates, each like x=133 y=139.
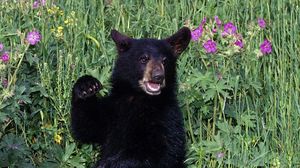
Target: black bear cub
x=139 y=124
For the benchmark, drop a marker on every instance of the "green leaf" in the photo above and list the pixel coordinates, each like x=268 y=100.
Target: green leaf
x=224 y=127
x=94 y=72
x=3 y=117
x=248 y=120
x=77 y=162
x=93 y=39
x=69 y=149
x=209 y=94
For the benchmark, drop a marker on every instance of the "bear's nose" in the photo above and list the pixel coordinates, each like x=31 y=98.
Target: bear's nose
x=158 y=76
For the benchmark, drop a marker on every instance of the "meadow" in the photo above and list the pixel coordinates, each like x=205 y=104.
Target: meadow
x=240 y=100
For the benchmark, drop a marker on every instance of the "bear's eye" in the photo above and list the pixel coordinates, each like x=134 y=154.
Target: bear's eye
x=164 y=60
x=144 y=59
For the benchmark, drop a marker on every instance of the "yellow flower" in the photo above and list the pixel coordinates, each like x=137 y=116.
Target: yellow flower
x=66 y=21
x=47 y=126
x=53 y=10
x=73 y=14
x=60 y=29
x=57 y=138
x=59 y=32
x=50 y=11
x=61 y=12
x=69 y=21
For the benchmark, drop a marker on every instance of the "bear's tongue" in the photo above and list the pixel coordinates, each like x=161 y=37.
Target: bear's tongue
x=154 y=87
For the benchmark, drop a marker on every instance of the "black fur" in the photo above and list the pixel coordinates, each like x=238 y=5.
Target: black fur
x=135 y=129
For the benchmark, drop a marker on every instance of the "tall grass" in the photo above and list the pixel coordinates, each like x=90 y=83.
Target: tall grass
x=250 y=118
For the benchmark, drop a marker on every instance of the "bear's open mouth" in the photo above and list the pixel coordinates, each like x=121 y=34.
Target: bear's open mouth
x=152 y=88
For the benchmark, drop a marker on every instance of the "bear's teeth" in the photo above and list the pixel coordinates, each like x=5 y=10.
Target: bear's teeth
x=154 y=87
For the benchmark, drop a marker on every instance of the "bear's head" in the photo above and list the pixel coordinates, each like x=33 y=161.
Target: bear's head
x=147 y=65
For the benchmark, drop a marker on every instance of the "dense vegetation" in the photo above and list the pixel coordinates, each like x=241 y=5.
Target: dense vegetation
x=240 y=99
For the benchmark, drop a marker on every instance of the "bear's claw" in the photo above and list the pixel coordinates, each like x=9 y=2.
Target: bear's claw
x=86 y=86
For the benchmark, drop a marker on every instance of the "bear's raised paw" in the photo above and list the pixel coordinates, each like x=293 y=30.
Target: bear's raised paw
x=86 y=86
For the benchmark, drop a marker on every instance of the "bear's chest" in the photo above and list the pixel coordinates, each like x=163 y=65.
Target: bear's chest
x=140 y=119
x=139 y=126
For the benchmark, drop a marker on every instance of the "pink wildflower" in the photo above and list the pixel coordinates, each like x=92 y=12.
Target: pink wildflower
x=239 y=43
x=210 y=46
x=5 y=57
x=261 y=23
x=197 y=33
x=1 y=47
x=266 y=47
x=33 y=37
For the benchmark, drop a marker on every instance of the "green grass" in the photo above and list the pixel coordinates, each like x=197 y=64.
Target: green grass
x=249 y=118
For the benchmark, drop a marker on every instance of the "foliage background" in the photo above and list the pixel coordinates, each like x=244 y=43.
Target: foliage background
x=244 y=113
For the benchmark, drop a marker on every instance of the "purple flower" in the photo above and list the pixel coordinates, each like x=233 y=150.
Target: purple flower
x=229 y=28
x=5 y=57
x=218 y=21
x=210 y=46
x=261 y=23
x=4 y=83
x=266 y=47
x=220 y=155
x=197 y=33
x=239 y=43
x=203 y=22
x=43 y=2
x=35 y=4
x=1 y=47
x=214 y=30
x=33 y=37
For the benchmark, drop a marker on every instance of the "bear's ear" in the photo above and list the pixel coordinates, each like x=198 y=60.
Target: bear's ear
x=122 y=42
x=180 y=40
